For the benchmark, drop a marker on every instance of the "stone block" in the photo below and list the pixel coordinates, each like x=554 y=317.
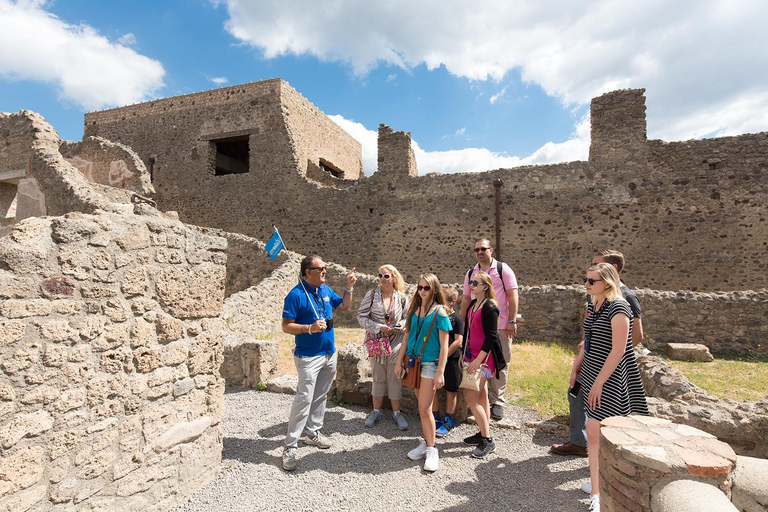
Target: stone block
x=25 y=425
x=750 y=492
x=689 y=496
x=168 y=328
x=183 y=386
x=71 y=399
x=26 y=499
x=183 y=432
x=134 y=282
x=70 y=229
x=58 y=330
x=248 y=362
x=11 y=331
x=21 y=469
x=146 y=360
x=17 y=308
x=283 y=384
x=40 y=395
x=200 y=461
x=135 y=239
x=192 y=293
x=689 y=352
x=206 y=352
x=67 y=307
x=75 y=263
x=116 y=310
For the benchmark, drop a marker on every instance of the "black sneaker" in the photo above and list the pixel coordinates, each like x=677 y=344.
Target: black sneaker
x=473 y=440
x=485 y=447
x=497 y=412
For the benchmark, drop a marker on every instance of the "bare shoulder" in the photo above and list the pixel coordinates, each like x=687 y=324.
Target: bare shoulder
x=441 y=310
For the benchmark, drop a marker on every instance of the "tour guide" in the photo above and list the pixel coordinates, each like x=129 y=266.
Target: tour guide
x=308 y=314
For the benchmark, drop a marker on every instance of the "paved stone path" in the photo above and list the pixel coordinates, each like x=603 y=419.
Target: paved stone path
x=367 y=469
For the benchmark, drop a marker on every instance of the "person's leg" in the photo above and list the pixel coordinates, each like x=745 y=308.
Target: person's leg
x=497 y=387
x=483 y=414
x=308 y=369
x=483 y=399
x=426 y=394
x=593 y=437
x=394 y=385
x=451 y=399
x=325 y=377
x=578 y=414
x=379 y=386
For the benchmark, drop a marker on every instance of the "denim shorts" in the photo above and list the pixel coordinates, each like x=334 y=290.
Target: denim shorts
x=428 y=369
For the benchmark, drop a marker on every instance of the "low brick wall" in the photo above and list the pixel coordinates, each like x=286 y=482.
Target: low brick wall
x=110 y=347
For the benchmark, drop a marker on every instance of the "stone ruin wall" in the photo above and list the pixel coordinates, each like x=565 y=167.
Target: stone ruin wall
x=649 y=199
x=110 y=348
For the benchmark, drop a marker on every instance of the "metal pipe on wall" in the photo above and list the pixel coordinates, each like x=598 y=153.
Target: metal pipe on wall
x=497 y=183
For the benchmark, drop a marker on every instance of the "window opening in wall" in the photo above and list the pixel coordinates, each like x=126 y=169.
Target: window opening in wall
x=232 y=155
x=328 y=167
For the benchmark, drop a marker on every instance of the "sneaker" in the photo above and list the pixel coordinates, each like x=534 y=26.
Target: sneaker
x=400 y=420
x=372 y=418
x=319 y=440
x=568 y=449
x=485 y=447
x=289 y=458
x=432 y=461
x=594 y=503
x=473 y=440
x=438 y=420
x=587 y=487
x=445 y=428
x=419 y=452
x=497 y=412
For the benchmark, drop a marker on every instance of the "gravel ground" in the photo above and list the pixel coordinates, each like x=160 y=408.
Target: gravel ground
x=367 y=469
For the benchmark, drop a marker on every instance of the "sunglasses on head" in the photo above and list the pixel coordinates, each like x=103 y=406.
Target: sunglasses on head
x=385 y=276
x=425 y=288
x=591 y=281
x=481 y=249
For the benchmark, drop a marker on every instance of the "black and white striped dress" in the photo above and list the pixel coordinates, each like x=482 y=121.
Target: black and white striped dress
x=623 y=391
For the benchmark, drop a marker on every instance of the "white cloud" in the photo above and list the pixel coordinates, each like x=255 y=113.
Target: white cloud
x=461 y=131
x=218 y=80
x=127 y=40
x=86 y=67
x=496 y=97
x=391 y=77
x=701 y=61
x=471 y=159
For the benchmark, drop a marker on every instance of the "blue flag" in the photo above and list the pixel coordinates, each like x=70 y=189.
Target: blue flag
x=274 y=245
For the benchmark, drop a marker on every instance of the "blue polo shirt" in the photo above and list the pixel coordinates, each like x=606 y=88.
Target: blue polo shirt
x=298 y=307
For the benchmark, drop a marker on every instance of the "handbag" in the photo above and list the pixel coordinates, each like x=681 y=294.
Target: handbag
x=412 y=377
x=377 y=344
x=472 y=380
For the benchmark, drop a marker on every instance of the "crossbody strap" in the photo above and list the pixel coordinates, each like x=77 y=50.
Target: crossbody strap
x=424 y=346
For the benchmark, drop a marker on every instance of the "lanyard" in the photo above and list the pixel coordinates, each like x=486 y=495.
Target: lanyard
x=389 y=315
x=420 y=323
x=315 y=299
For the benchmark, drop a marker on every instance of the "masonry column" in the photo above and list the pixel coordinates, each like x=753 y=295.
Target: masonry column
x=396 y=156
x=618 y=134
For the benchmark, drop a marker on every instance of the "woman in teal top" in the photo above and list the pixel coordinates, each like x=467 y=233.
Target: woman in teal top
x=426 y=306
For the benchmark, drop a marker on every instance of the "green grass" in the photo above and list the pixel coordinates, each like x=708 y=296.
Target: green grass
x=728 y=376
x=539 y=376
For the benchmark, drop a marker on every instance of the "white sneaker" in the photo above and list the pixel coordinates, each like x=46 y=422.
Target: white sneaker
x=587 y=487
x=432 y=460
x=594 y=503
x=419 y=452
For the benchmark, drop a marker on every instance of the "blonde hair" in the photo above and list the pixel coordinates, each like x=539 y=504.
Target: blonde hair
x=397 y=279
x=490 y=293
x=436 y=295
x=610 y=277
x=451 y=295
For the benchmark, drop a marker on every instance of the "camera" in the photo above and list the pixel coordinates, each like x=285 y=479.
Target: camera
x=329 y=324
x=411 y=361
x=574 y=391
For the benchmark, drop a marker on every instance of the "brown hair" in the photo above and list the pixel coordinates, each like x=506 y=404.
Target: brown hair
x=612 y=257
x=436 y=295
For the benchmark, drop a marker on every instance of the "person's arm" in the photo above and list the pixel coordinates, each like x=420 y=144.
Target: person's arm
x=619 y=334
x=458 y=337
x=364 y=315
x=577 y=361
x=439 y=380
x=401 y=356
x=513 y=297
x=291 y=327
x=489 y=315
x=347 y=297
x=637 y=331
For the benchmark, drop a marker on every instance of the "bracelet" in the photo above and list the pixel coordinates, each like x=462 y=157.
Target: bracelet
x=309 y=329
x=512 y=322
x=350 y=290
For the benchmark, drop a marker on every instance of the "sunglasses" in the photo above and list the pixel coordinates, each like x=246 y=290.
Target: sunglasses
x=385 y=276
x=591 y=281
x=321 y=269
x=474 y=283
x=481 y=249
x=425 y=288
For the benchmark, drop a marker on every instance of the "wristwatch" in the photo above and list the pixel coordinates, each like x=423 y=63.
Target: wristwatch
x=512 y=322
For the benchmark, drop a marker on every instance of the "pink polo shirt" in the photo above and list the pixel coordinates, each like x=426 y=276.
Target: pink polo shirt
x=510 y=281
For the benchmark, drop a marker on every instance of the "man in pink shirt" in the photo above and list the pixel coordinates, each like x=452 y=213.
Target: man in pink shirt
x=505 y=286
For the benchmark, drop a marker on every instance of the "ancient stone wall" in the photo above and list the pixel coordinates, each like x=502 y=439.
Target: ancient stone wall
x=110 y=347
x=108 y=163
x=395 y=156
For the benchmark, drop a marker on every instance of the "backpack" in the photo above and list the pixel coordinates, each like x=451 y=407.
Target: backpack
x=499 y=267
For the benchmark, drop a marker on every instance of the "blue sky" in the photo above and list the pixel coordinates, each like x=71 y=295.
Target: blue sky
x=480 y=85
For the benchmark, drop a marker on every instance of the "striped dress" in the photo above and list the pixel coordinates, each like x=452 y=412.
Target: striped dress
x=623 y=391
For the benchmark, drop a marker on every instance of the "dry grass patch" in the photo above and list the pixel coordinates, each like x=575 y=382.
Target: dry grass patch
x=285 y=344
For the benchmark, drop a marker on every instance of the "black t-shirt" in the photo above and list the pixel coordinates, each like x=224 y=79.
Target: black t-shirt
x=457 y=327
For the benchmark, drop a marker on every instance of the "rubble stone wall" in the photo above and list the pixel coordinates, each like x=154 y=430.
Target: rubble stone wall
x=110 y=347
x=684 y=213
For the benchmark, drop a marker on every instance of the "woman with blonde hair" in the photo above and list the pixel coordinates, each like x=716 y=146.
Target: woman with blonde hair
x=482 y=353
x=382 y=315
x=427 y=327
x=607 y=362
